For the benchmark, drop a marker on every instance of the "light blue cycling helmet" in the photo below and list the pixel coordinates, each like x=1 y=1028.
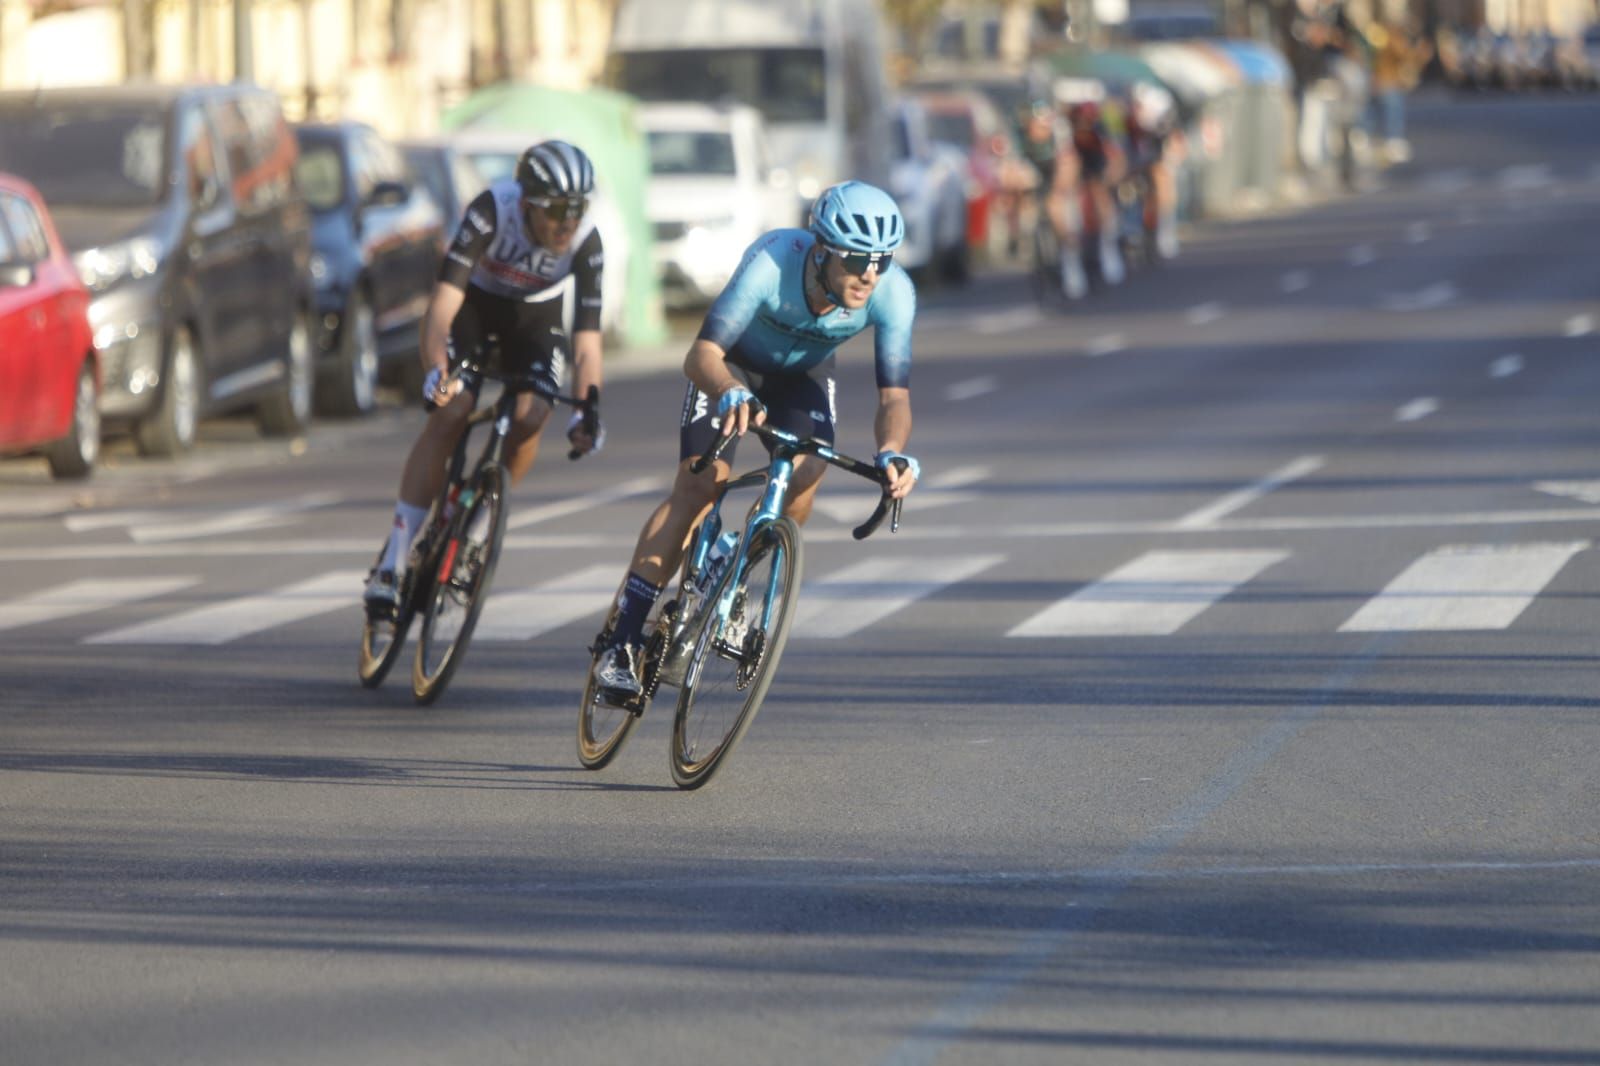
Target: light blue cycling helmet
x=856 y=217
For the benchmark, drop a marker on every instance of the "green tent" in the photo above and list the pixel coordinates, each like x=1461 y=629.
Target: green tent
x=602 y=124
x=1113 y=68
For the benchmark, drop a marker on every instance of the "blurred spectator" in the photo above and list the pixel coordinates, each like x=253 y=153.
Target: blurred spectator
x=1398 y=56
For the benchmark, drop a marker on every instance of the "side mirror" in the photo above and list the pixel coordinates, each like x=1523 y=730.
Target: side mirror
x=16 y=275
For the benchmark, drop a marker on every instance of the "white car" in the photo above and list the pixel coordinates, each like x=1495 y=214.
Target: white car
x=928 y=181
x=711 y=194
x=494 y=156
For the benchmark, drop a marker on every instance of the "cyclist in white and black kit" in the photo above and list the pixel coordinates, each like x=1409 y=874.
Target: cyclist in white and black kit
x=524 y=254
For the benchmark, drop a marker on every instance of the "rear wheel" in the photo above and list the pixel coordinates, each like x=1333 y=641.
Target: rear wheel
x=171 y=427
x=353 y=384
x=461 y=584
x=73 y=456
x=736 y=650
x=288 y=411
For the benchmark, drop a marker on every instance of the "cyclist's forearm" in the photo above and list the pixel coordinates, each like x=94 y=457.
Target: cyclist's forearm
x=892 y=425
x=706 y=366
x=586 y=355
x=442 y=309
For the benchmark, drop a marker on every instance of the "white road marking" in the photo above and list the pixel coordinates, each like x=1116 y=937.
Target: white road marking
x=1418 y=232
x=1579 y=325
x=1204 y=314
x=971 y=388
x=854 y=505
x=1105 y=345
x=84 y=597
x=1362 y=255
x=1525 y=177
x=526 y=613
x=1010 y=321
x=1467 y=587
x=579 y=504
x=1295 y=281
x=223 y=622
x=1506 y=366
x=154 y=527
x=1431 y=298
x=850 y=600
x=1210 y=514
x=1587 y=491
x=1154 y=595
x=1420 y=408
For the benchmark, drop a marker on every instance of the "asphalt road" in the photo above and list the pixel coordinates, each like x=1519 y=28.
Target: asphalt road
x=1228 y=695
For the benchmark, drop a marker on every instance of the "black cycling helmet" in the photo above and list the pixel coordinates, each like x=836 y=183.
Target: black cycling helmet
x=555 y=170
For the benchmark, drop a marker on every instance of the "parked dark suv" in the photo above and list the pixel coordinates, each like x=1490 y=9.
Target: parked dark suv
x=377 y=239
x=180 y=208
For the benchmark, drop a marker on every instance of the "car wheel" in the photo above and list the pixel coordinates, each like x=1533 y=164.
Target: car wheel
x=73 y=456
x=171 y=428
x=354 y=387
x=289 y=411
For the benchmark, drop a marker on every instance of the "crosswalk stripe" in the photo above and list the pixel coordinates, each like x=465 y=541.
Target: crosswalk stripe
x=83 y=597
x=850 y=600
x=1154 y=595
x=223 y=622
x=1472 y=586
x=525 y=614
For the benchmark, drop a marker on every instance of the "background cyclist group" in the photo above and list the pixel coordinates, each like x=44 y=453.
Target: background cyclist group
x=1103 y=181
x=526 y=256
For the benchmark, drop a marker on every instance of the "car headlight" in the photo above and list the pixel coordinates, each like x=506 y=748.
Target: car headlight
x=101 y=268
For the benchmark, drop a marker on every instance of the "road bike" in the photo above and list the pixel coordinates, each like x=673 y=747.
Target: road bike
x=452 y=560
x=719 y=639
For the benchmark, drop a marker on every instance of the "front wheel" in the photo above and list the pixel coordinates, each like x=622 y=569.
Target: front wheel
x=465 y=569
x=735 y=654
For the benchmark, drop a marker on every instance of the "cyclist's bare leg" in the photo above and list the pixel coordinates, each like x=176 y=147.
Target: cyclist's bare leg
x=808 y=471
x=522 y=443
x=661 y=542
x=423 y=476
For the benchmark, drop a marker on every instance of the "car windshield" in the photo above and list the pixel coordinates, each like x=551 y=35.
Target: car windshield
x=675 y=152
x=951 y=128
x=785 y=84
x=104 y=155
x=320 y=172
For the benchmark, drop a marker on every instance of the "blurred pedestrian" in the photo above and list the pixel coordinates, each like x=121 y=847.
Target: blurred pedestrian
x=1398 y=56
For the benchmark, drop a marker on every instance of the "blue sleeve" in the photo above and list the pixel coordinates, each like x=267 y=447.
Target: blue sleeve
x=751 y=285
x=892 y=338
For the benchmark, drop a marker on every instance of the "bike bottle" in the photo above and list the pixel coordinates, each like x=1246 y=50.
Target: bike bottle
x=718 y=557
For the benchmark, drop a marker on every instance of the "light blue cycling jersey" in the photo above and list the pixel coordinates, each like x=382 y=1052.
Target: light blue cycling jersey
x=763 y=322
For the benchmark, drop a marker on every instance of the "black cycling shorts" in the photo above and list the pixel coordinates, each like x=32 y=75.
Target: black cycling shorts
x=801 y=403
x=512 y=337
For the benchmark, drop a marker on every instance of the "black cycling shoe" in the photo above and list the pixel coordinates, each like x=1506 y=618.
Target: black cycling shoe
x=382 y=597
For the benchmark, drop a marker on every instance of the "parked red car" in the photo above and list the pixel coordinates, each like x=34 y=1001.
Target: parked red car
x=49 y=399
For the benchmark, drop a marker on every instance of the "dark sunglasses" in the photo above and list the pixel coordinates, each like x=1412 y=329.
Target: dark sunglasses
x=856 y=264
x=560 y=210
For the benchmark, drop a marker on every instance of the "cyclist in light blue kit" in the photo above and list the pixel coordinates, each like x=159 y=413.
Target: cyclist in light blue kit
x=770 y=338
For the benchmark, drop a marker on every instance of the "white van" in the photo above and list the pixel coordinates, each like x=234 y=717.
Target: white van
x=813 y=68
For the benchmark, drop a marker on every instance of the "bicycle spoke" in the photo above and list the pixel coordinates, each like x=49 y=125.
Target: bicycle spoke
x=464 y=571
x=736 y=656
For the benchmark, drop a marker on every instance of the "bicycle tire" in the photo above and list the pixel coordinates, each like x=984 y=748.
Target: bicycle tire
x=466 y=566
x=602 y=728
x=382 y=641
x=703 y=732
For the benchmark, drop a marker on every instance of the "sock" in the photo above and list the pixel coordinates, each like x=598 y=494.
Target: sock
x=406 y=521
x=633 y=607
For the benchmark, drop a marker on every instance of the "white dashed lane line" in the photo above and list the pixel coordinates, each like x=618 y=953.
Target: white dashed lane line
x=1205 y=313
x=971 y=388
x=1579 y=326
x=1105 y=345
x=1420 y=408
x=1505 y=366
x=1418 y=232
x=1362 y=255
x=1295 y=281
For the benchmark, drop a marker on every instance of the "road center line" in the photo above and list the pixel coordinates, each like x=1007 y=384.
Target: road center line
x=1420 y=408
x=1105 y=345
x=1209 y=515
x=1295 y=281
x=1203 y=314
x=1579 y=325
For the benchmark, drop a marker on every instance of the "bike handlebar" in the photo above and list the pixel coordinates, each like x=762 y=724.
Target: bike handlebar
x=589 y=405
x=887 y=505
